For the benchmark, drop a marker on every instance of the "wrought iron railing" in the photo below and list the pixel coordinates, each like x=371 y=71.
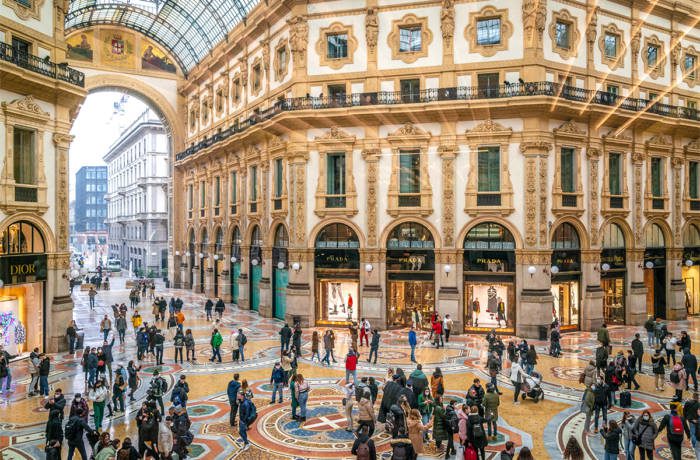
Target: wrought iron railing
x=42 y=66
x=460 y=93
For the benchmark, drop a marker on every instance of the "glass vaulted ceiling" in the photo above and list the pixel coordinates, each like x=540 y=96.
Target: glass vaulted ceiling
x=188 y=29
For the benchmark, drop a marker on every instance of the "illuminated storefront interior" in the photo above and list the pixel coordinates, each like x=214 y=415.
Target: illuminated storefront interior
x=613 y=271
x=566 y=276
x=691 y=269
x=655 y=271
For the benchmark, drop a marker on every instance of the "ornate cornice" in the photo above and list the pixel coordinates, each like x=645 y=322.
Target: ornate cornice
x=570 y=129
x=487 y=127
x=26 y=106
x=336 y=134
x=539 y=147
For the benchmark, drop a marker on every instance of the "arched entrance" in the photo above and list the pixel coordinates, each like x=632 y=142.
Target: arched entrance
x=235 y=271
x=566 y=276
x=23 y=269
x=337 y=274
x=190 y=256
x=691 y=268
x=280 y=278
x=255 y=268
x=218 y=260
x=203 y=259
x=410 y=272
x=655 y=270
x=489 y=279
x=613 y=274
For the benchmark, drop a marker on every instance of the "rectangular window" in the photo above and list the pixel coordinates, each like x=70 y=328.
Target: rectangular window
x=237 y=90
x=692 y=105
x=279 y=177
x=568 y=170
x=615 y=173
x=613 y=89
x=489 y=169
x=21 y=47
x=234 y=192
x=693 y=180
x=202 y=195
x=23 y=156
x=409 y=178
x=488 y=84
x=611 y=42
x=257 y=78
x=336 y=46
x=410 y=39
x=335 y=185
x=253 y=183
x=656 y=173
x=488 y=31
x=282 y=62
x=217 y=191
x=410 y=90
x=336 y=91
x=689 y=63
x=652 y=55
x=562 y=35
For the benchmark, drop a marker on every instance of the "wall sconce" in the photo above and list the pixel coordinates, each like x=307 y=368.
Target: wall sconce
x=648 y=264
x=233 y=259
x=177 y=253
x=280 y=265
x=369 y=268
x=254 y=262
x=296 y=266
x=688 y=263
x=216 y=256
x=187 y=254
x=201 y=255
x=531 y=270
x=448 y=269
x=554 y=270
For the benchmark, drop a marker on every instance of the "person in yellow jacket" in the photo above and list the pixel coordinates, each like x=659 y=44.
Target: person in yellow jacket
x=136 y=321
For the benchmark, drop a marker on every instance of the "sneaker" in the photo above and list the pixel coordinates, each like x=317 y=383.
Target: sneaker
x=246 y=446
x=516 y=403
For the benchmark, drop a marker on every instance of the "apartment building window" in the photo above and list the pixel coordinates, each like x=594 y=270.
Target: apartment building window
x=693 y=180
x=611 y=45
x=21 y=48
x=237 y=90
x=613 y=89
x=24 y=156
x=217 y=195
x=689 y=64
x=335 y=186
x=282 y=62
x=410 y=90
x=568 y=173
x=336 y=46
x=488 y=84
x=562 y=33
x=615 y=175
x=253 y=189
x=234 y=193
x=257 y=77
x=652 y=55
x=489 y=176
x=409 y=178
x=202 y=198
x=488 y=31
x=410 y=39
x=279 y=178
x=337 y=92
x=656 y=177
x=692 y=105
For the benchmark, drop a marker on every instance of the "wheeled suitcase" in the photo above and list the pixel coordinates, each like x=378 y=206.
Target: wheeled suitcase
x=235 y=355
x=625 y=399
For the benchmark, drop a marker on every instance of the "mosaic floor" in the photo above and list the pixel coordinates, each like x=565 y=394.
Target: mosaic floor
x=544 y=427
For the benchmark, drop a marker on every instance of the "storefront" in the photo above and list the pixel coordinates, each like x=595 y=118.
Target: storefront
x=410 y=272
x=691 y=269
x=203 y=260
x=613 y=274
x=218 y=259
x=280 y=278
x=255 y=268
x=235 y=270
x=23 y=270
x=191 y=255
x=337 y=275
x=489 y=279
x=655 y=271
x=566 y=276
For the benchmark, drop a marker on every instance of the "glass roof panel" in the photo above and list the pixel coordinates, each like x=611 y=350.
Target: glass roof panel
x=188 y=29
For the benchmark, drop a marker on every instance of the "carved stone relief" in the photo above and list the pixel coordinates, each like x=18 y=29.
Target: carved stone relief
x=447 y=152
x=371 y=157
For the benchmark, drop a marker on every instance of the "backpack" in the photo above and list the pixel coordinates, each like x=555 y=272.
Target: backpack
x=676 y=425
x=187 y=438
x=253 y=416
x=399 y=452
x=453 y=421
x=244 y=339
x=674 y=377
x=362 y=452
x=71 y=429
x=179 y=341
x=478 y=431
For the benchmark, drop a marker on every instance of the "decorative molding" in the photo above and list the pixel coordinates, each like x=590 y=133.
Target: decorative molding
x=409 y=130
x=693 y=146
x=447 y=152
x=565 y=17
x=635 y=41
x=335 y=28
x=534 y=22
x=26 y=107
x=298 y=39
x=371 y=29
x=536 y=147
x=618 y=62
x=393 y=39
x=257 y=64
x=657 y=70
x=447 y=23
x=592 y=30
x=265 y=47
x=570 y=129
x=593 y=155
x=544 y=228
x=486 y=13
x=410 y=137
x=243 y=69
x=690 y=77
x=658 y=141
x=371 y=157
x=33 y=11
x=677 y=164
x=335 y=133
x=488 y=127
x=335 y=140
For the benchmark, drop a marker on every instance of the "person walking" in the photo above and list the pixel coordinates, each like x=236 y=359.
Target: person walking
x=98 y=396
x=349 y=403
x=278 y=380
x=475 y=432
x=248 y=414
x=447 y=325
x=374 y=346
x=190 y=345
x=439 y=423
x=208 y=306
x=417 y=430
x=531 y=362
x=302 y=393
x=629 y=371
x=437 y=383
x=517 y=376
x=285 y=336
x=690 y=364
x=364 y=331
x=133 y=379
x=649 y=327
x=638 y=351
x=158 y=344
x=179 y=343
x=105 y=326
x=72 y=334
x=601 y=402
x=91 y=295
x=121 y=328
x=74 y=431
x=644 y=433
x=669 y=343
x=612 y=436
x=603 y=336
x=412 y=342
x=332 y=340
x=351 y=365
x=366 y=416
x=327 y=348
x=234 y=397
x=675 y=425
x=363 y=448
x=242 y=341
x=678 y=379
x=315 y=347
x=219 y=308
x=353 y=335
x=216 y=341
x=657 y=363
x=118 y=390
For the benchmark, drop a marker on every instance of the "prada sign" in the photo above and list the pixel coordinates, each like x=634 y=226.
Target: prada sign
x=23 y=269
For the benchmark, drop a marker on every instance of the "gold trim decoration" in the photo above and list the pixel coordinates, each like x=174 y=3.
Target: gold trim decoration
x=410 y=137
x=534 y=19
x=592 y=30
x=335 y=28
x=371 y=157
x=657 y=70
x=26 y=13
x=488 y=12
x=279 y=68
x=409 y=20
x=593 y=155
x=335 y=140
x=618 y=62
x=565 y=17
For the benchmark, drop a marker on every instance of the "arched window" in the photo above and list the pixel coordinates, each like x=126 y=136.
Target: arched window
x=337 y=236
x=489 y=235
x=255 y=238
x=219 y=241
x=22 y=238
x=654 y=237
x=613 y=238
x=566 y=237
x=691 y=236
x=281 y=237
x=410 y=235
x=204 y=242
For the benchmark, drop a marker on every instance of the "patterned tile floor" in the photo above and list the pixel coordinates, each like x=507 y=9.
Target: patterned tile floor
x=544 y=427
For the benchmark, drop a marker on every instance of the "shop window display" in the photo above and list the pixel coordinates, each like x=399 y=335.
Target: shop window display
x=489 y=305
x=405 y=297
x=338 y=300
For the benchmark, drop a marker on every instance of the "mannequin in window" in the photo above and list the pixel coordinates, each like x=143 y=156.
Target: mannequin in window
x=501 y=313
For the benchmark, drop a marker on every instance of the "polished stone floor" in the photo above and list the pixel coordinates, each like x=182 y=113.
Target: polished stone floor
x=544 y=427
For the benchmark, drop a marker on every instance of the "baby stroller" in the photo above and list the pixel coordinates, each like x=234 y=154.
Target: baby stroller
x=531 y=387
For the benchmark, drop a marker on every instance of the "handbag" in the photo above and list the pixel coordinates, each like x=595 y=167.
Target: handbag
x=345 y=401
x=637 y=440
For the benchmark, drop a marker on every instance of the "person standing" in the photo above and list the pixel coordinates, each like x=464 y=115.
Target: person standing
x=447 y=324
x=216 y=341
x=234 y=396
x=75 y=429
x=44 y=370
x=363 y=448
x=366 y=416
x=348 y=403
x=315 y=347
x=208 y=306
x=437 y=332
x=604 y=336
x=351 y=365
x=118 y=390
x=277 y=380
x=327 y=348
x=121 y=328
x=675 y=426
x=690 y=364
x=33 y=369
x=412 y=342
x=353 y=335
x=657 y=364
x=690 y=412
x=72 y=334
x=374 y=346
x=285 y=337
x=248 y=414
x=302 y=392
x=296 y=339
x=105 y=326
x=364 y=333
x=670 y=346
x=491 y=403
x=645 y=432
x=531 y=357
x=219 y=308
x=649 y=327
x=158 y=341
x=190 y=345
x=476 y=433
x=242 y=341
x=600 y=404
x=678 y=379
x=179 y=343
x=98 y=396
x=638 y=351
x=133 y=379
x=91 y=295
x=517 y=376
x=612 y=436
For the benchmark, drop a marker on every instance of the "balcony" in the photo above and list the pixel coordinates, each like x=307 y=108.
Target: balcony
x=41 y=66
x=462 y=93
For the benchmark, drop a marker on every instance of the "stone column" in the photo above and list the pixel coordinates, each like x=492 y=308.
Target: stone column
x=636 y=307
x=195 y=276
x=371 y=289
x=446 y=282
x=300 y=299
x=225 y=279
x=591 y=311
x=184 y=279
x=243 y=283
x=265 y=307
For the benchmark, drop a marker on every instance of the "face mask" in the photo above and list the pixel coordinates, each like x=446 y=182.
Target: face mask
x=77 y=399
x=646 y=417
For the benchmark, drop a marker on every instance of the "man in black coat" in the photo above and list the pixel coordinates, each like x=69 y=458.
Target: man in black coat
x=219 y=308
x=56 y=402
x=74 y=430
x=285 y=337
x=390 y=396
x=208 y=305
x=690 y=364
x=638 y=351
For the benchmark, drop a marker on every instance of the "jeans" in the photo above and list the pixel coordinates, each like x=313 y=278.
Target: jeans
x=629 y=449
x=275 y=388
x=303 y=398
x=178 y=351
x=232 y=413
x=438 y=341
x=670 y=356
x=92 y=372
x=492 y=423
x=648 y=453
x=348 y=373
x=650 y=339
x=284 y=345
x=159 y=354
x=675 y=450
x=81 y=450
x=692 y=375
x=693 y=438
x=516 y=390
x=529 y=368
x=122 y=334
x=33 y=384
x=494 y=382
x=190 y=350
x=92 y=303
x=71 y=345
x=98 y=413
x=243 y=431
x=118 y=402
x=609 y=456
x=216 y=354
x=43 y=384
x=327 y=358
x=597 y=411
x=317 y=355
x=105 y=332
x=413 y=353
x=8 y=381
x=208 y=311
x=639 y=361
x=240 y=351
x=372 y=351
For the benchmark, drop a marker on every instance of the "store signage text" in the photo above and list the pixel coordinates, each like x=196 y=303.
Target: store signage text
x=22 y=269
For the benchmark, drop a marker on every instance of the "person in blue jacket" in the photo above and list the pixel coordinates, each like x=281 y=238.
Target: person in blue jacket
x=412 y=341
x=247 y=414
x=277 y=381
x=234 y=387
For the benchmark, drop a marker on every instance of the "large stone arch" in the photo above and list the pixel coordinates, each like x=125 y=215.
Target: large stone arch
x=624 y=227
x=437 y=237
x=692 y=221
x=323 y=224
x=665 y=229
x=39 y=223
x=577 y=224
x=473 y=223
